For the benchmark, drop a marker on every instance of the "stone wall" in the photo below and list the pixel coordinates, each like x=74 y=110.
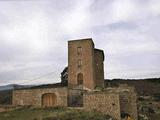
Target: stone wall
x=104 y=102
x=99 y=67
x=111 y=101
x=127 y=99
x=34 y=96
x=128 y=103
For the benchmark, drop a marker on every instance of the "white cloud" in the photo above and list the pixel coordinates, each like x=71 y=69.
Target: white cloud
x=34 y=34
x=123 y=10
x=30 y=32
x=154 y=7
x=77 y=18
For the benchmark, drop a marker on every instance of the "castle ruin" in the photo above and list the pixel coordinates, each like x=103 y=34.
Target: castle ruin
x=85 y=87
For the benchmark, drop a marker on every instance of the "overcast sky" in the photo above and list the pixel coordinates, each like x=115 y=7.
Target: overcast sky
x=34 y=35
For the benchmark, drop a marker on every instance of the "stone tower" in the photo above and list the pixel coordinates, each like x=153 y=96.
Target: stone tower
x=85 y=64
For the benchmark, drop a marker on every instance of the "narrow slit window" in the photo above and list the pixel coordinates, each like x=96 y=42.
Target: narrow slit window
x=79 y=63
x=79 y=50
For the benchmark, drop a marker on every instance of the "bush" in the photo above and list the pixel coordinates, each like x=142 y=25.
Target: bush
x=156 y=97
x=141 y=99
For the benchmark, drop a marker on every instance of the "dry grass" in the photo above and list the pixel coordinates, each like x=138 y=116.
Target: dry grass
x=58 y=113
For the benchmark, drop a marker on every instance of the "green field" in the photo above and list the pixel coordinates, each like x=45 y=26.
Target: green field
x=59 y=113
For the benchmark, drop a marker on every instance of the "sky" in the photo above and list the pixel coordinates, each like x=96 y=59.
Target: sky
x=34 y=35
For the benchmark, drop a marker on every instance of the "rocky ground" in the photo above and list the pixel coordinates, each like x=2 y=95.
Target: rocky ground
x=148 y=108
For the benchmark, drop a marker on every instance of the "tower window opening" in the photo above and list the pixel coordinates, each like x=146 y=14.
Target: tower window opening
x=79 y=50
x=80 y=79
x=79 y=63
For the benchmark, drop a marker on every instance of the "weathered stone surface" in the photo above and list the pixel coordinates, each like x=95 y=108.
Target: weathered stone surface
x=106 y=103
x=128 y=102
x=113 y=101
x=127 y=99
x=99 y=69
x=85 y=59
x=34 y=96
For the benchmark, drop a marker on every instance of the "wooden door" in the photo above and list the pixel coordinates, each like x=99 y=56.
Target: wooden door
x=49 y=100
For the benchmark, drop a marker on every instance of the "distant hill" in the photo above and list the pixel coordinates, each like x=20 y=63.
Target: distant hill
x=149 y=86
x=5 y=97
x=144 y=87
x=13 y=86
x=6 y=92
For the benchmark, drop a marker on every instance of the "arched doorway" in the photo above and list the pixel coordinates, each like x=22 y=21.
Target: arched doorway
x=49 y=99
x=80 y=79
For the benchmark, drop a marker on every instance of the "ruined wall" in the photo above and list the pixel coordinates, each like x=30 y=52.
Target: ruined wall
x=128 y=102
x=104 y=102
x=86 y=56
x=99 y=67
x=34 y=96
x=127 y=99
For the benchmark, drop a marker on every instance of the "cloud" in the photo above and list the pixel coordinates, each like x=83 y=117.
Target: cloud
x=34 y=35
x=78 y=17
x=123 y=10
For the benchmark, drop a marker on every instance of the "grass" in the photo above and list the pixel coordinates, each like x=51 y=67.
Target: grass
x=58 y=113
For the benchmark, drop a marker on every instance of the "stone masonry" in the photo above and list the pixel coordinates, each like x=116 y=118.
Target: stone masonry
x=34 y=96
x=112 y=101
x=87 y=61
x=104 y=102
x=85 y=86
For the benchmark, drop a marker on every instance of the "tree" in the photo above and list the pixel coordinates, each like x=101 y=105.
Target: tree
x=64 y=76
